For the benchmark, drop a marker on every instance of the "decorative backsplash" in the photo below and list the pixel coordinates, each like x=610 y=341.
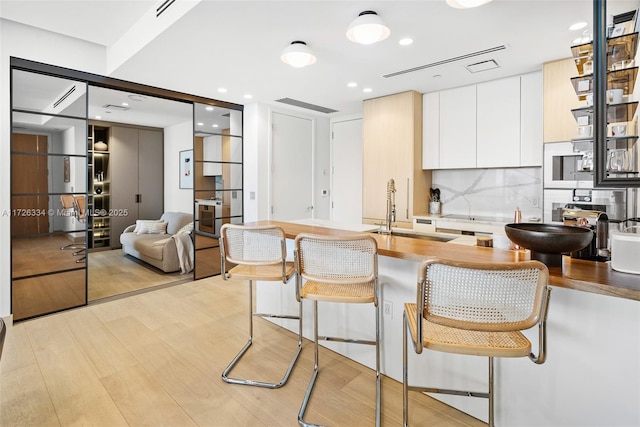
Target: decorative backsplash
x=490 y=192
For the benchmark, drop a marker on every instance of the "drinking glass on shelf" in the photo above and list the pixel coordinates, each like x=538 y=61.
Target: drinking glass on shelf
x=618 y=160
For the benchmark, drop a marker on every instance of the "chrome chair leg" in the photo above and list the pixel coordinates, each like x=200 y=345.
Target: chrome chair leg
x=285 y=378
x=314 y=376
x=490 y=391
x=405 y=372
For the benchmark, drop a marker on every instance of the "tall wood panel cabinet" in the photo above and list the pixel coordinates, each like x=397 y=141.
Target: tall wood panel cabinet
x=559 y=99
x=392 y=149
x=137 y=178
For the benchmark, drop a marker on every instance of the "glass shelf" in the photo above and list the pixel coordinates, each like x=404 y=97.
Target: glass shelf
x=613 y=143
x=624 y=79
x=623 y=112
x=627 y=43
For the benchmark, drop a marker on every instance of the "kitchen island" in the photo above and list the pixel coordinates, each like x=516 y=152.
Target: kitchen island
x=592 y=373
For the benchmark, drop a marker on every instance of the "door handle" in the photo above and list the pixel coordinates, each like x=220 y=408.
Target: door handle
x=138 y=198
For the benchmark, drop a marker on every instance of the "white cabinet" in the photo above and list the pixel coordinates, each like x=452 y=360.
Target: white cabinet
x=498 y=123
x=431 y=131
x=531 y=122
x=212 y=155
x=489 y=125
x=458 y=128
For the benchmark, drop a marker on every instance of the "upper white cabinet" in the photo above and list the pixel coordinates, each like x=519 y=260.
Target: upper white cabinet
x=212 y=155
x=492 y=124
x=531 y=119
x=458 y=128
x=498 y=123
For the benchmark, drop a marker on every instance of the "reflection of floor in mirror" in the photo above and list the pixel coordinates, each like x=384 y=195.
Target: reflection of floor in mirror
x=111 y=273
x=42 y=254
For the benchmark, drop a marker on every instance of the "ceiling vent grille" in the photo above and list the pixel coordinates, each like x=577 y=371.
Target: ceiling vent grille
x=306 y=105
x=163 y=7
x=115 y=107
x=64 y=96
x=447 y=61
x=482 y=66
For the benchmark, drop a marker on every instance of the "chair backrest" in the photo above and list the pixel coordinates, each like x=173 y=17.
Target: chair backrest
x=67 y=201
x=483 y=296
x=253 y=245
x=3 y=333
x=337 y=259
x=80 y=204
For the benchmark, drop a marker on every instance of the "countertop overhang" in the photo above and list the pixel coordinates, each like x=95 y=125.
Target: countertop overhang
x=581 y=275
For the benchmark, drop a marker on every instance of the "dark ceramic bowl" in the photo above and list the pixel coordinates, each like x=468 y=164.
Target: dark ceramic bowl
x=547 y=242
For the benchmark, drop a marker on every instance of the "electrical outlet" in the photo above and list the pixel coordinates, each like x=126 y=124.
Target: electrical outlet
x=387 y=308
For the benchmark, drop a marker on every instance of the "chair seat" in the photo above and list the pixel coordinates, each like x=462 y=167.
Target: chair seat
x=352 y=293
x=463 y=341
x=271 y=272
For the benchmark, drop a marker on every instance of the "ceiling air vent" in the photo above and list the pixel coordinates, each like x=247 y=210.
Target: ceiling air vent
x=447 y=61
x=163 y=7
x=306 y=105
x=115 y=107
x=64 y=96
x=482 y=66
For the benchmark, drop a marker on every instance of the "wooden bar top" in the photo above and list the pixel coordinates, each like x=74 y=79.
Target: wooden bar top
x=587 y=276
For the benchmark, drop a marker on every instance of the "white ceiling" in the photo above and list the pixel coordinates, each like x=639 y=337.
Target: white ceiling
x=237 y=44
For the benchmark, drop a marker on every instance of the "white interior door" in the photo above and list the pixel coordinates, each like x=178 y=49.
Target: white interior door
x=346 y=168
x=291 y=167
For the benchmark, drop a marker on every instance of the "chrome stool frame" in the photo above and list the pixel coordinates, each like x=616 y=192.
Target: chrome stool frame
x=476 y=309
x=259 y=253
x=341 y=269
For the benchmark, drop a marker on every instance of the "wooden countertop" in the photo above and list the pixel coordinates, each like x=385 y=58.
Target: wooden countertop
x=586 y=276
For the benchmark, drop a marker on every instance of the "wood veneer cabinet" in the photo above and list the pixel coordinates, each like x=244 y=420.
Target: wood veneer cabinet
x=137 y=177
x=559 y=99
x=392 y=148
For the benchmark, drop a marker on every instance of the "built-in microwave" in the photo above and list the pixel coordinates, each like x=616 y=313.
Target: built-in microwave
x=612 y=202
x=566 y=167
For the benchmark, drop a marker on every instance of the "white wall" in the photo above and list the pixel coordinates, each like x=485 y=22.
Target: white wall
x=176 y=138
x=30 y=43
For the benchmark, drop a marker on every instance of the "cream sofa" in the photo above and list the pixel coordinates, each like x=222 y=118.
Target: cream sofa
x=157 y=249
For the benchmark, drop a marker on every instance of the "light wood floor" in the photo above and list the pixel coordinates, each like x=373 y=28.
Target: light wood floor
x=112 y=273
x=155 y=359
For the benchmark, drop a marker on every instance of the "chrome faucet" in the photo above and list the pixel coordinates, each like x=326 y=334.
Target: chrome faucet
x=391 y=207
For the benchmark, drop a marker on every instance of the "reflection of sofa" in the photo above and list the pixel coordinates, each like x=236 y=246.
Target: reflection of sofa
x=156 y=245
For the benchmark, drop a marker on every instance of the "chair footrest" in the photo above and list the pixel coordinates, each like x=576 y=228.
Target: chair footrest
x=276 y=316
x=448 y=391
x=351 y=341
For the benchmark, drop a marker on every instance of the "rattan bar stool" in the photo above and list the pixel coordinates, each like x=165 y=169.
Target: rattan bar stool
x=259 y=253
x=340 y=269
x=476 y=309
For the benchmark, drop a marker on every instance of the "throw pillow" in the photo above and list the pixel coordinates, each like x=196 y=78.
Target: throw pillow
x=153 y=227
x=141 y=223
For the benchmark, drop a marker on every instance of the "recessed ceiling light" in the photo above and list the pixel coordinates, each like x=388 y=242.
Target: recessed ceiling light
x=578 y=26
x=405 y=41
x=577 y=41
x=136 y=97
x=367 y=90
x=214 y=126
x=125 y=104
x=352 y=84
x=222 y=90
x=209 y=108
x=98 y=117
x=200 y=124
x=248 y=96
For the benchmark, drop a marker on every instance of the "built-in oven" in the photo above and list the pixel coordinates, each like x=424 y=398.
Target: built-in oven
x=208 y=216
x=566 y=165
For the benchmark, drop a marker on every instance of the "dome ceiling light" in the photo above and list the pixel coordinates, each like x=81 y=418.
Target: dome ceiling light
x=367 y=28
x=466 y=4
x=298 y=55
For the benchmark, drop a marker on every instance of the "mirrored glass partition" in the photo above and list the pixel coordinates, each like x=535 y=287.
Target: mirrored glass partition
x=218 y=197
x=48 y=194
x=70 y=170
